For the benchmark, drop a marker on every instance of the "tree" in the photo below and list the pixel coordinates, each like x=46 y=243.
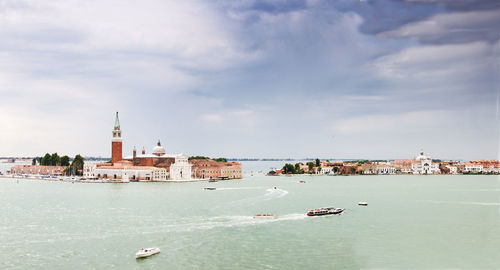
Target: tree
x=64 y=161
x=33 y=162
x=297 y=167
x=198 y=157
x=288 y=168
x=318 y=163
x=220 y=159
x=45 y=160
x=55 y=159
x=77 y=165
x=353 y=170
x=335 y=169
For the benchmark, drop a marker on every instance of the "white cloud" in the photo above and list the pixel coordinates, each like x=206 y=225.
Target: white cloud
x=433 y=63
x=451 y=28
x=213 y=117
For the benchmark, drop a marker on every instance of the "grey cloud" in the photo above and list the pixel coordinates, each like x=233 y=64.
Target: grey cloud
x=461 y=5
x=458 y=27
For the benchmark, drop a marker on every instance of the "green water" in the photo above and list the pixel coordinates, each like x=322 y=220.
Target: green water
x=412 y=222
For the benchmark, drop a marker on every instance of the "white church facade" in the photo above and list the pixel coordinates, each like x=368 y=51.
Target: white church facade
x=424 y=165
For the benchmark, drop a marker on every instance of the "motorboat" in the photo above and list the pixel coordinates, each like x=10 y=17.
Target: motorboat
x=363 y=203
x=212 y=180
x=265 y=216
x=325 y=211
x=302 y=181
x=210 y=188
x=146 y=252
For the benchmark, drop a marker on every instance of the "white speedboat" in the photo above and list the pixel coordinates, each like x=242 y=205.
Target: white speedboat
x=146 y=252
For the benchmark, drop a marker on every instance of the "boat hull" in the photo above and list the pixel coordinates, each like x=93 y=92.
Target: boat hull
x=144 y=254
x=323 y=212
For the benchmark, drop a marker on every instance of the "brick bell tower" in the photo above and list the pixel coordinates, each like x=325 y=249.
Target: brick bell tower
x=116 y=142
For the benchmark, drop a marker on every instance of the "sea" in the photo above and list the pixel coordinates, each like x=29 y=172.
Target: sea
x=411 y=222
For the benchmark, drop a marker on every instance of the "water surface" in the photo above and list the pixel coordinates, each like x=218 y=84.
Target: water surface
x=412 y=222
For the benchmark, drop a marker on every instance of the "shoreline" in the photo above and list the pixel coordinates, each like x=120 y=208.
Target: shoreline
x=103 y=181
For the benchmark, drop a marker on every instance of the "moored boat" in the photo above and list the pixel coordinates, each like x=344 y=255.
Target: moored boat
x=146 y=252
x=363 y=203
x=210 y=188
x=325 y=211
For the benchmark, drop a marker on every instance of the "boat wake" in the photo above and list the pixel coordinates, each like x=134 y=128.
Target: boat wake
x=275 y=193
x=203 y=224
x=238 y=188
x=237 y=221
x=270 y=194
x=467 y=203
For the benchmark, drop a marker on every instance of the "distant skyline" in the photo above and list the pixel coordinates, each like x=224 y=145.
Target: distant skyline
x=266 y=79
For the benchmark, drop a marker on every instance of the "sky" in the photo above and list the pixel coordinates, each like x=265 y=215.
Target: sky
x=342 y=79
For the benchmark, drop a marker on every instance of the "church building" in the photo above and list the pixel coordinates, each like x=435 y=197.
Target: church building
x=157 y=166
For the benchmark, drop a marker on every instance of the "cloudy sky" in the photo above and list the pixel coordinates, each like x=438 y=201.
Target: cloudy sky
x=332 y=79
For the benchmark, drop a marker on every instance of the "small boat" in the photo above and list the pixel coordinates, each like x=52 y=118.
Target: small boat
x=265 y=216
x=210 y=188
x=301 y=181
x=146 y=252
x=212 y=180
x=325 y=211
x=363 y=203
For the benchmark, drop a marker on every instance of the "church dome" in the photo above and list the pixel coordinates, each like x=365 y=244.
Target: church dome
x=421 y=157
x=158 y=149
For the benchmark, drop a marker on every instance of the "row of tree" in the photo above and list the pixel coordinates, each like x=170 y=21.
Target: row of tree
x=51 y=160
x=74 y=168
x=202 y=157
x=295 y=169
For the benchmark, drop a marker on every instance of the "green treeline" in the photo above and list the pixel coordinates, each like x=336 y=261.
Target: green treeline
x=51 y=160
x=74 y=168
x=292 y=169
x=198 y=157
x=214 y=159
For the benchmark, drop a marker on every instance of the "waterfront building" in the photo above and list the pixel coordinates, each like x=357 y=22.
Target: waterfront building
x=470 y=167
x=424 y=165
x=403 y=166
x=210 y=169
x=181 y=169
x=176 y=165
x=38 y=170
x=490 y=166
x=369 y=168
x=153 y=167
x=157 y=166
x=452 y=169
x=385 y=169
x=325 y=170
x=124 y=170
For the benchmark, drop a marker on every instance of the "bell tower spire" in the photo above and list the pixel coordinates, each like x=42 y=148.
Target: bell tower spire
x=117 y=122
x=116 y=142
